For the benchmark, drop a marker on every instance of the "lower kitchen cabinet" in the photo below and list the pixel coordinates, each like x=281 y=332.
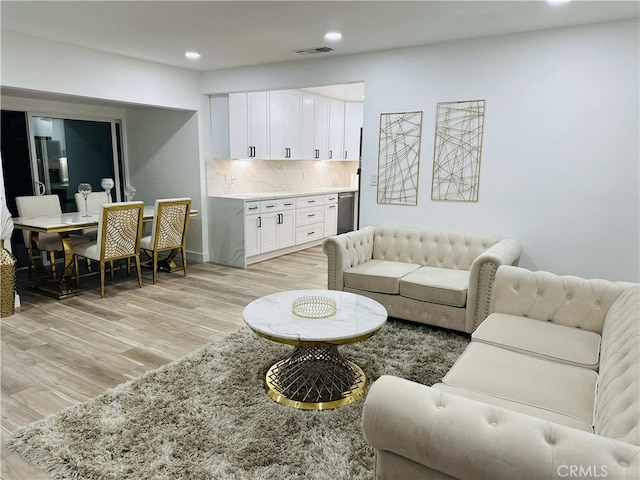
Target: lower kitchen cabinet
x=242 y=232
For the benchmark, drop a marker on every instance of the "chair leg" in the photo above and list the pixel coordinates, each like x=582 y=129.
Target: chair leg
x=155 y=265
x=102 y=272
x=111 y=269
x=139 y=270
x=183 y=252
x=29 y=262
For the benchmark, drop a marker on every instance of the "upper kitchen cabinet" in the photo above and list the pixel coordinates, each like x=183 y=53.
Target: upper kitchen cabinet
x=290 y=125
x=285 y=124
x=315 y=127
x=353 y=114
x=336 y=129
x=249 y=125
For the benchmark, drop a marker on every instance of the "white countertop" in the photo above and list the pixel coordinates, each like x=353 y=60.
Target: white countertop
x=286 y=193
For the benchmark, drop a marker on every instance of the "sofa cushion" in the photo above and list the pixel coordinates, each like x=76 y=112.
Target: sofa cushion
x=437 y=285
x=436 y=249
x=534 y=411
x=514 y=376
x=564 y=300
x=541 y=339
x=381 y=276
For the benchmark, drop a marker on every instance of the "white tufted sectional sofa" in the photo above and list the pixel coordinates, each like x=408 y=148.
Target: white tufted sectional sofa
x=548 y=388
x=436 y=278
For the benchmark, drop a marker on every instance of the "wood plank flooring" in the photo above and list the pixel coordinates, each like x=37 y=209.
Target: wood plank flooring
x=59 y=353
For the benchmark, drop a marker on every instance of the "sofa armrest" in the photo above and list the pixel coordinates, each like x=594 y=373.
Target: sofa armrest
x=482 y=278
x=347 y=250
x=472 y=440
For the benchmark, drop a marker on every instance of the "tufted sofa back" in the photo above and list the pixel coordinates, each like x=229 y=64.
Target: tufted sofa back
x=565 y=300
x=618 y=406
x=435 y=249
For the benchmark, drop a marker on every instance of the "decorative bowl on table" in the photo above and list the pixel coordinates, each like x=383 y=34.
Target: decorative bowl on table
x=314 y=307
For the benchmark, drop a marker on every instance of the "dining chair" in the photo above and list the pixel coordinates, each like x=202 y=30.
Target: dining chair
x=94 y=201
x=119 y=233
x=38 y=206
x=168 y=231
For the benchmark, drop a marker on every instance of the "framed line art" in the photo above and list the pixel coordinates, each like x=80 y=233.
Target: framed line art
x=457 y=151
x=399 y=158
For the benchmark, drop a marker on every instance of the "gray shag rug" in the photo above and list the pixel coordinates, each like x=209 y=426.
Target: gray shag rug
x=207 y=416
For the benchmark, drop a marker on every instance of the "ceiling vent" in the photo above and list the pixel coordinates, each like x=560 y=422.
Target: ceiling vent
x=311 y=51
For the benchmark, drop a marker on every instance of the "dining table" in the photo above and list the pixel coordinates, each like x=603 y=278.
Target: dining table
x=65 y=225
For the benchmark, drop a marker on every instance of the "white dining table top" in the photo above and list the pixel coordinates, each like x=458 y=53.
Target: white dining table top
x=69 y=221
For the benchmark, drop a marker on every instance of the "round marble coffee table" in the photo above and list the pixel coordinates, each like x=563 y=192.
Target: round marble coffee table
x=316 y=376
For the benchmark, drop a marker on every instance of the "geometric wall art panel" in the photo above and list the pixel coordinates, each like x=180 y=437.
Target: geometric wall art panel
x=457 y=151
x=399 y=158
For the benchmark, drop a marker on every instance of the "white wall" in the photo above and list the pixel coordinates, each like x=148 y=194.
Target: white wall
x=165 y=146
x=560 y=161
x=164 y=161
x=40 y=65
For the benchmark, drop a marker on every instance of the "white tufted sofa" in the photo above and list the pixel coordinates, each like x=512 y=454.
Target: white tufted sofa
x=548 y=388
x=441 y=279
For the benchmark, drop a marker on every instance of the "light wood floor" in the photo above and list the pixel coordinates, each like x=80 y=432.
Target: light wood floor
x=59 y=353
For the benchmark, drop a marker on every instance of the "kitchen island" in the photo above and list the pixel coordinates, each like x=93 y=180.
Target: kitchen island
x=246 y=228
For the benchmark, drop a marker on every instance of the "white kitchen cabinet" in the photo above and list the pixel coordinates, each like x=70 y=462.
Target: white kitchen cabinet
x=285 y=124
x=252 y=235
x=277 y=224
x=249 y=125
x=309 y=218
x=336 y=129
x=330 y=214
x=353 y=114
x=244 y=231
x=315 y=127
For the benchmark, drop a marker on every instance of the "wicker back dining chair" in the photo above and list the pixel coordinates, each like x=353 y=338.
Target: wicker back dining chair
x=168 y=231
x=39 y=206
x=119 y=233
x=94 y=201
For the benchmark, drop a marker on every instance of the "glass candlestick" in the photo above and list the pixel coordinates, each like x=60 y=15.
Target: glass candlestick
x=129 y=193
x=85 y=189
x=107 y=184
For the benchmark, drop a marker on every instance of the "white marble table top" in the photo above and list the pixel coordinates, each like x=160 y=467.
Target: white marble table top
x=356 y=317
x=70 y=221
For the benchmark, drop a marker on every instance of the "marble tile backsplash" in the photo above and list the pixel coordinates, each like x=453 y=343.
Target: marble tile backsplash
x=225 y=177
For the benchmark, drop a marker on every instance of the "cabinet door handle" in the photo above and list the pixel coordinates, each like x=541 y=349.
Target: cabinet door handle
x=287 y=153
x=280 y=218
x=288 y=204
x=311 y=215
x=269 y=206
x=311 y=233
x=311 y=201
x=330 y=154
x=332 y=206
x=345 y=155
x=259 y=222
x=317 y=153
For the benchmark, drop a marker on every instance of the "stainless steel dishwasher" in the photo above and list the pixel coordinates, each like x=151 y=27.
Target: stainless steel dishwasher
x=345 y=211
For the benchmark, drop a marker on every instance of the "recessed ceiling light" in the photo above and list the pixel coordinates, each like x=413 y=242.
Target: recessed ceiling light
x=557 y=2
x=192 y=55
x=332 y=36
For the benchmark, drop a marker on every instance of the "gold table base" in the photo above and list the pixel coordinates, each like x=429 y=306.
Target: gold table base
x=315 y=378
